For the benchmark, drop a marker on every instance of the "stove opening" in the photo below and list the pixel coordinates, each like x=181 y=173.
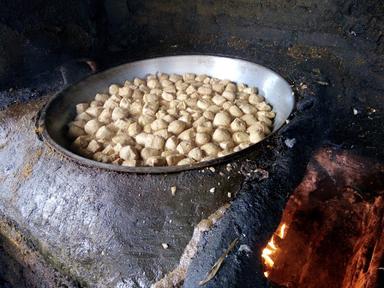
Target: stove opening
x=332 y=229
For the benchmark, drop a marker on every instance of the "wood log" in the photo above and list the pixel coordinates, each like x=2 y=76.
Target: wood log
x=366 y=265
x=336 y=225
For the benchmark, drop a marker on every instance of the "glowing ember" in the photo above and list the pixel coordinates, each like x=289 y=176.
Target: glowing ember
x=270 y=250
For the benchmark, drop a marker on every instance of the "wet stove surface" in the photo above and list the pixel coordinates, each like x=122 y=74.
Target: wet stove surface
x=101 y=228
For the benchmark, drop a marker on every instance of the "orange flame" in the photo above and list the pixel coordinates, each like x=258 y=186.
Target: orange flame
x=282 y=231
x=270 y=250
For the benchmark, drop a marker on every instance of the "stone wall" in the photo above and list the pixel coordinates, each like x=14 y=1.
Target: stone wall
x=37 y=36
x=286 y=20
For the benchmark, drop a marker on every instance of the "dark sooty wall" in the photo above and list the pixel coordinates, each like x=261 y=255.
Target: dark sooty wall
x=38 y=36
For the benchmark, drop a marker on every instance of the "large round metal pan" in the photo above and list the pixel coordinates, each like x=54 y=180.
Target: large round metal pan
x=60 y=110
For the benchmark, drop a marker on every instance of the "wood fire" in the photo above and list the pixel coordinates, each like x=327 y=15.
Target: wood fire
x=271 y=249
x=336 y=226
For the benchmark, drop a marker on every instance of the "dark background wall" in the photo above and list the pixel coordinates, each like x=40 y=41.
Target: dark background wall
x=36 y=37
x=177 y=20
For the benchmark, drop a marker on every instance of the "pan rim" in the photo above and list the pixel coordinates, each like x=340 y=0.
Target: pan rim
x=83 y=161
